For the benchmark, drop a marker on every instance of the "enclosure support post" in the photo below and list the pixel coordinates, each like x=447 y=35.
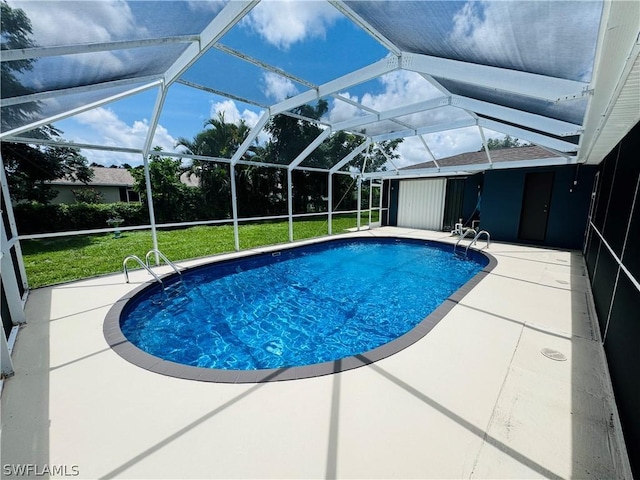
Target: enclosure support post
x=330 y=209
x=290 y=202
x=370 y=200
x=381 y=202
x=155 y=118
x=234 y=207
x=359 y=200
x=5 y=358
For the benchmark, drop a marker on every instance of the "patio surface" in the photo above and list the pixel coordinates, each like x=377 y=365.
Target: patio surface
x=475 y=398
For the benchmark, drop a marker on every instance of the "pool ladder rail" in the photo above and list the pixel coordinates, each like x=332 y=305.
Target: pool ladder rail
x=473 y=242
x=147 y=267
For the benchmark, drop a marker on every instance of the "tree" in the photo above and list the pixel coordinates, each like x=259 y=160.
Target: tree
x=218 y=139
x=30 y=169
x=16 y=29
x=172 y=201
x=506 y=142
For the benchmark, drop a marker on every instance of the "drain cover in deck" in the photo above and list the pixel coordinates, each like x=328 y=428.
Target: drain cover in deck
x=553 y=354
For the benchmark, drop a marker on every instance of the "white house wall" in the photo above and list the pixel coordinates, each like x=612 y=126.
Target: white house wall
x=421 y=203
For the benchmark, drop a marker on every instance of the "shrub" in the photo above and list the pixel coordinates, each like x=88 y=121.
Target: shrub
x=32 y=218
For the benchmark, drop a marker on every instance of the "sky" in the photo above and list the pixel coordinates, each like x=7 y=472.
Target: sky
x=308 y=39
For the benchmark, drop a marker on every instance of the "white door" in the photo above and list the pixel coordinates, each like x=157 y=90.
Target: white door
x=421 y=203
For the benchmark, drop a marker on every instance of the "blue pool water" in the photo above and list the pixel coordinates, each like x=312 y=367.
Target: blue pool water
x=298 y=307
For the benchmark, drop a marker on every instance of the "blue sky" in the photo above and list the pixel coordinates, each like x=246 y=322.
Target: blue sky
x=309 y=39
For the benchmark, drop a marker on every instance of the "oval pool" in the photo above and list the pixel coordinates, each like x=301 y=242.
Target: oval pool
x=296 y=313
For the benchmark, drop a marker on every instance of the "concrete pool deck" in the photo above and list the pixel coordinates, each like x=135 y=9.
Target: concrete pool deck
x=475 y=398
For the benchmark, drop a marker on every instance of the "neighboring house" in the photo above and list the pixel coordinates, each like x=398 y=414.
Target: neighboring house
x=115 y=185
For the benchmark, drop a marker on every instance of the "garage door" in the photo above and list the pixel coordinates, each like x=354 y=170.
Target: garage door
x=421 y=203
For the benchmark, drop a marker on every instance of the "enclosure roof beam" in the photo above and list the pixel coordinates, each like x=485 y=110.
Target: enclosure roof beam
x=310 y=148
x=357 y=151
x=393 y=113
x=75 y=111
x=533 y=137
x=519 y=117
x=470 y=122
x=253 y=134
x=548 y=88
x=357 y=77
x=36 y=97
x=366 y=26
x=224 y=21
x=54 y=51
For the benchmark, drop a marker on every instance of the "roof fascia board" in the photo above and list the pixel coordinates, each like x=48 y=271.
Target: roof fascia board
x=532 y=137
x=40 y=52
x=356 y=151
x=526 y=119
x=35 y=97
x=552 y=89
x=393 y=113
x=230 y=14
x=310 y=148
x=617 y=50
x=75 y=111
x=366 y=26
x=362 y=75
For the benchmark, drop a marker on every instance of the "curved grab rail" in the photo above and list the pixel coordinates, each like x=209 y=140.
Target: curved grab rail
x=475 y=240
x=162 y=256
x=137 y=259
x=472 y=231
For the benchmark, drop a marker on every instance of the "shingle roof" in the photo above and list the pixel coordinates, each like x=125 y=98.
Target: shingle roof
x=500 y=155
x=104 y=176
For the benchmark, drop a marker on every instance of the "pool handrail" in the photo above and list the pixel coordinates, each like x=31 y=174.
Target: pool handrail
x=455 y=247
x=475 y=240
x=163 y=257
x=137 y=259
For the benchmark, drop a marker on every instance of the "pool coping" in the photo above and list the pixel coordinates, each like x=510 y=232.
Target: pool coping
x=131 y=353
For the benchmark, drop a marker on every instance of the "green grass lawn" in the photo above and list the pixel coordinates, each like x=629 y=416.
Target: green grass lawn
x=55 y=260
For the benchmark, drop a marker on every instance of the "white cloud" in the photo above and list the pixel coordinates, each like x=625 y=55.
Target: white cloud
x=102 y=126
x=341 y=111
x=277 y=87
x=63 y=23
x=285 y=22
x=233 y=115
x=71 y=23
x=491 y=32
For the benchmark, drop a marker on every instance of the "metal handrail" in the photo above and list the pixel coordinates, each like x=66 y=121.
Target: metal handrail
x=471 y=230
x=475 y=240
x=163 y=257
x=137 y=259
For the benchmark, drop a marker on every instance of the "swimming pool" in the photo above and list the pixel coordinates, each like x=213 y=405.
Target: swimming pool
x=293 y=313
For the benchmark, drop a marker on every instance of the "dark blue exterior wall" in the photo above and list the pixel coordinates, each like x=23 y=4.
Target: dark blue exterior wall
x=615 y=291
x=501 y=204
x=470 y=200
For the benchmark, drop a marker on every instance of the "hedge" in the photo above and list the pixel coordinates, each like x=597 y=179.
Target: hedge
x=32 y=218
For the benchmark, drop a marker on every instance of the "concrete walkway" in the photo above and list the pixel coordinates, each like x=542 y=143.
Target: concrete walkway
x=475 y=398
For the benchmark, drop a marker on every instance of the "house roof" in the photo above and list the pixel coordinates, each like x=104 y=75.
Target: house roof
x=102 y=176
x=478 y=158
